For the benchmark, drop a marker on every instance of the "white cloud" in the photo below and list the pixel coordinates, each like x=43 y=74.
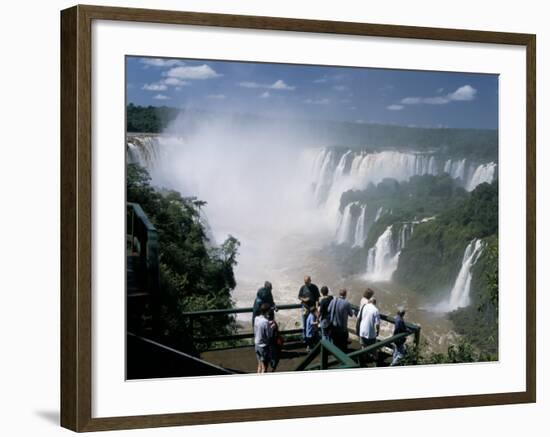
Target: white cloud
x=411 y=100
x=395 y=107
x=360 y=121
x=216 y=96
x=265 y=95
x=159 y=62
x=440 y=90
x=173 y=81
x=463 y=94
x=321 y=80
x=161 y=97
x=339 y=87
x=281 y=85
x=198 y=72
x=324 y=101
x=277 y=85
x=157 y=86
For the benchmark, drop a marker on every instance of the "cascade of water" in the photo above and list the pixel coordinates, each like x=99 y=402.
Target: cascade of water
x=341 y=167
x=378 y=213
x=455 y=169
x=325 y=176
x=381 y=258
x=404 y=235
x=344 y=234
x=360 y=228
x=332 y=176
x=142 y=150
x=483 y=173
x=460 y=293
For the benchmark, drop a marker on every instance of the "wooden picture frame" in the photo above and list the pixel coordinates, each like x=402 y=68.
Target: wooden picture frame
x=76 y=217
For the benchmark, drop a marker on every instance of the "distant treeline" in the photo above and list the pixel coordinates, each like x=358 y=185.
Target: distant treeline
x=476 y=144
x=149 y=119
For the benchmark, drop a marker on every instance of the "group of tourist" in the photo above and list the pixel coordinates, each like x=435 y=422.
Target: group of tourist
x=323 y=317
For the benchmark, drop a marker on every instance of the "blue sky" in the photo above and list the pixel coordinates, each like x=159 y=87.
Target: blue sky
x=359 y=95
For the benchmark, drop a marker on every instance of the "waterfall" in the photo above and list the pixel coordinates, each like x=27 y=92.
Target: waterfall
x=381 y=258
x=335 y=173
x=142 y=150
x=343 y=234
x=404 y=235
x=378 y=213
x=482 y=173
x=455 y=169
x=360 y=227
x=460 y=293
x=324 y=175
x=341 y=167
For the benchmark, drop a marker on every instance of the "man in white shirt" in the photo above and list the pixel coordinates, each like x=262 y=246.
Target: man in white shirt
x=369 y=328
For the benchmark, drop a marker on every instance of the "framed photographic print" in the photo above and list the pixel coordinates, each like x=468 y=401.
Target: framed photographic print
x=264 y=204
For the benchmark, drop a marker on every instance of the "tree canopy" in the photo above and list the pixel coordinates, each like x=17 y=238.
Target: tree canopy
x=195 y=274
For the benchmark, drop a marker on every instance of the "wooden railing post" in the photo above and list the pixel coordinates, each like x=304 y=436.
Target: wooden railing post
x=324 y=358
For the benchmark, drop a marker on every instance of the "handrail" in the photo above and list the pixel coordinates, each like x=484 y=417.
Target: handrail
x=378 y=345
x=326 y=348
x=367 y=350
x=182 y=354
x=243 y=336
x=389 y=319
x=226 y=311
x=345 y=360
x=318 y=349
x=310 y=357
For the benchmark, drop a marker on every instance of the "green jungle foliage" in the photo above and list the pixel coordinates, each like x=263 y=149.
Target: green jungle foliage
x=420 y=197
x=193 y=274
x=432 y=257
x=463 y=352
x=478 y=322
x=149 y=119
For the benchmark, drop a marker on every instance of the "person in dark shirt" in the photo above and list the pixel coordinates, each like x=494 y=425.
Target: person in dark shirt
x=309 y=297
x=324 y=316
x=276 y=345
x=399 y=345
x=339 y=311
x=264 y=295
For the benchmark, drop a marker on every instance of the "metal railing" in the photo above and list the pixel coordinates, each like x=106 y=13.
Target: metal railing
x=357 y=358
x=330 y=354
x=192 y=316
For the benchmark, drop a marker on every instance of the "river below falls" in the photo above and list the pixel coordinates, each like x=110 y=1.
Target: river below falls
x=285 y=262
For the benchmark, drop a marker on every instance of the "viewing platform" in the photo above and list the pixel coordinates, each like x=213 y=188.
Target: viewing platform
x=149 y=357
x=234 y=354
